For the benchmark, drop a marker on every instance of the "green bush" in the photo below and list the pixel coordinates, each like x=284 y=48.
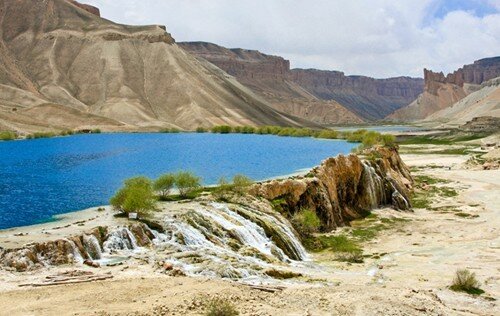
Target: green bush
x=241 y=183
x=465 y=281
x=201 y=130
x=186 y=182
x=220 y=307
x=7 y=135
x=164 y=184
x=172 y=130
x=136 y=195
x=306 y=222
x=327 y=134
x=222 y=129
x=96 y=131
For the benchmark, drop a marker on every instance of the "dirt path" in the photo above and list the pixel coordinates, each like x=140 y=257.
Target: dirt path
x=417 y=262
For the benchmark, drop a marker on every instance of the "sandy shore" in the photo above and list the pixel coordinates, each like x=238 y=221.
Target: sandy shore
x=418 y=260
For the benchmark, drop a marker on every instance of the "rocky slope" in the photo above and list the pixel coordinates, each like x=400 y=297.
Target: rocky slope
x=268 y=76
x=236 y=239
x=322 y=96
x=481 y=103
x=442 y=91
x=65 y=67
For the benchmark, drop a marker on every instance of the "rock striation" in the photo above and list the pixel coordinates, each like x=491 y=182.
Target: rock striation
x=442 y=91
x=64 y=67
x=311 y=93
x=344 y=188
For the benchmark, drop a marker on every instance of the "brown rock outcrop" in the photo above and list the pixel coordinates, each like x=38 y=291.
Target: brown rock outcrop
x=86 y=7
x=344 y=188
x=67 y=251
x=441 y=92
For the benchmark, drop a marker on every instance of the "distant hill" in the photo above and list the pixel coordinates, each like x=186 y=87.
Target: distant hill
x=63 y=66
x=442 y=91
x=327 y=97
x=483 y=102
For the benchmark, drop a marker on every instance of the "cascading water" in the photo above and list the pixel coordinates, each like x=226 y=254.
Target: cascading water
x=120 y=239
x=92 y=246
x=374 y=186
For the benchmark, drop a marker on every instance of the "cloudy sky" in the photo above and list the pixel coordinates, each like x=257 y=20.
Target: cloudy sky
x=380 y=38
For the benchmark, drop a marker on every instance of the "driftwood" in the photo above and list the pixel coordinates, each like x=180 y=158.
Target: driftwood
x=267 y=288
x=70 y=277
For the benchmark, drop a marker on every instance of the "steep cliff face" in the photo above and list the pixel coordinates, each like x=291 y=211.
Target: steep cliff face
x=268 y=76
x=60 y=59
x=441 y=92
x=322 y=96
x=344 y=188
x=367 y=97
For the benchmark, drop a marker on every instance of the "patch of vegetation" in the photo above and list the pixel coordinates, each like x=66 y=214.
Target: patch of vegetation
x=448 y=139
x=239 y=186
x=466 y=281
x=136 y=196
x=201 y=130
x=7 y=135
x=306 y=222
x=187 y=183
x=427 y=188
x=220 y=307
x=466 y=215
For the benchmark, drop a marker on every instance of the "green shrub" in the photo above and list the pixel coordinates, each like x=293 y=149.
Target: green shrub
x=7 y=135
x=136 y=195
x=327 y=134
x=164 y=184
x=465 y=281
x=220 y=307
x=241 y=183
x=172 y=130
x=186 y=182
x=306 y=222
x=222 y=129
x=201 y=130
x=96 y=131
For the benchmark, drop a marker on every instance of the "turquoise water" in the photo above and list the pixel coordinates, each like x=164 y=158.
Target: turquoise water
x=45 y=177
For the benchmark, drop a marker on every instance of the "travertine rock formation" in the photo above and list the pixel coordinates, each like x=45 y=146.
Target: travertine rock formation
x=65 y=67
x=442 y=91
x=323 y=96
x=344 y=188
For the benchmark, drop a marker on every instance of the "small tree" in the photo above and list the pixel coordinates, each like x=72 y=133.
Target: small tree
x=465 y=281
x=136 y=195
x=164 y=184
x=186 y=182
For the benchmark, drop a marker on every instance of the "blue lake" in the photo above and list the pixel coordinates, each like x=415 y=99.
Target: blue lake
x=45 y=177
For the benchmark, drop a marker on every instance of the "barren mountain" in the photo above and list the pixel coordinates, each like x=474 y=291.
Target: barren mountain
x=484 y=102
x=322 y=96
x=65 y=67
x=268 y=76
x=442 y=91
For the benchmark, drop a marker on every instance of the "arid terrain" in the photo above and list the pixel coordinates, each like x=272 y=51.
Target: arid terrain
x=408 y=264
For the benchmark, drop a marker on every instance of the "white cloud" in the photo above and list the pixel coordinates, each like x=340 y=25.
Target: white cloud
x=379 y=38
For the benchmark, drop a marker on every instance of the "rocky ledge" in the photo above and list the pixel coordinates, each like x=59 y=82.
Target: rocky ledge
x=344 y=188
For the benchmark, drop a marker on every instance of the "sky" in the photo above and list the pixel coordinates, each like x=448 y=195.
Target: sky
x=378 y=38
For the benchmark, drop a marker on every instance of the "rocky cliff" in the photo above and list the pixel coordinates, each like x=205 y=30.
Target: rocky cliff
x=86 y=7
x=323 y=96
x=65 y=67
x=344 y=188
x=268 y=76
x=442 y=91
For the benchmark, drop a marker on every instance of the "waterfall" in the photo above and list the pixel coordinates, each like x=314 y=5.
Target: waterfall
x=374 y=186
x=120 y=239
x=77 y=256
x=92 y=246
